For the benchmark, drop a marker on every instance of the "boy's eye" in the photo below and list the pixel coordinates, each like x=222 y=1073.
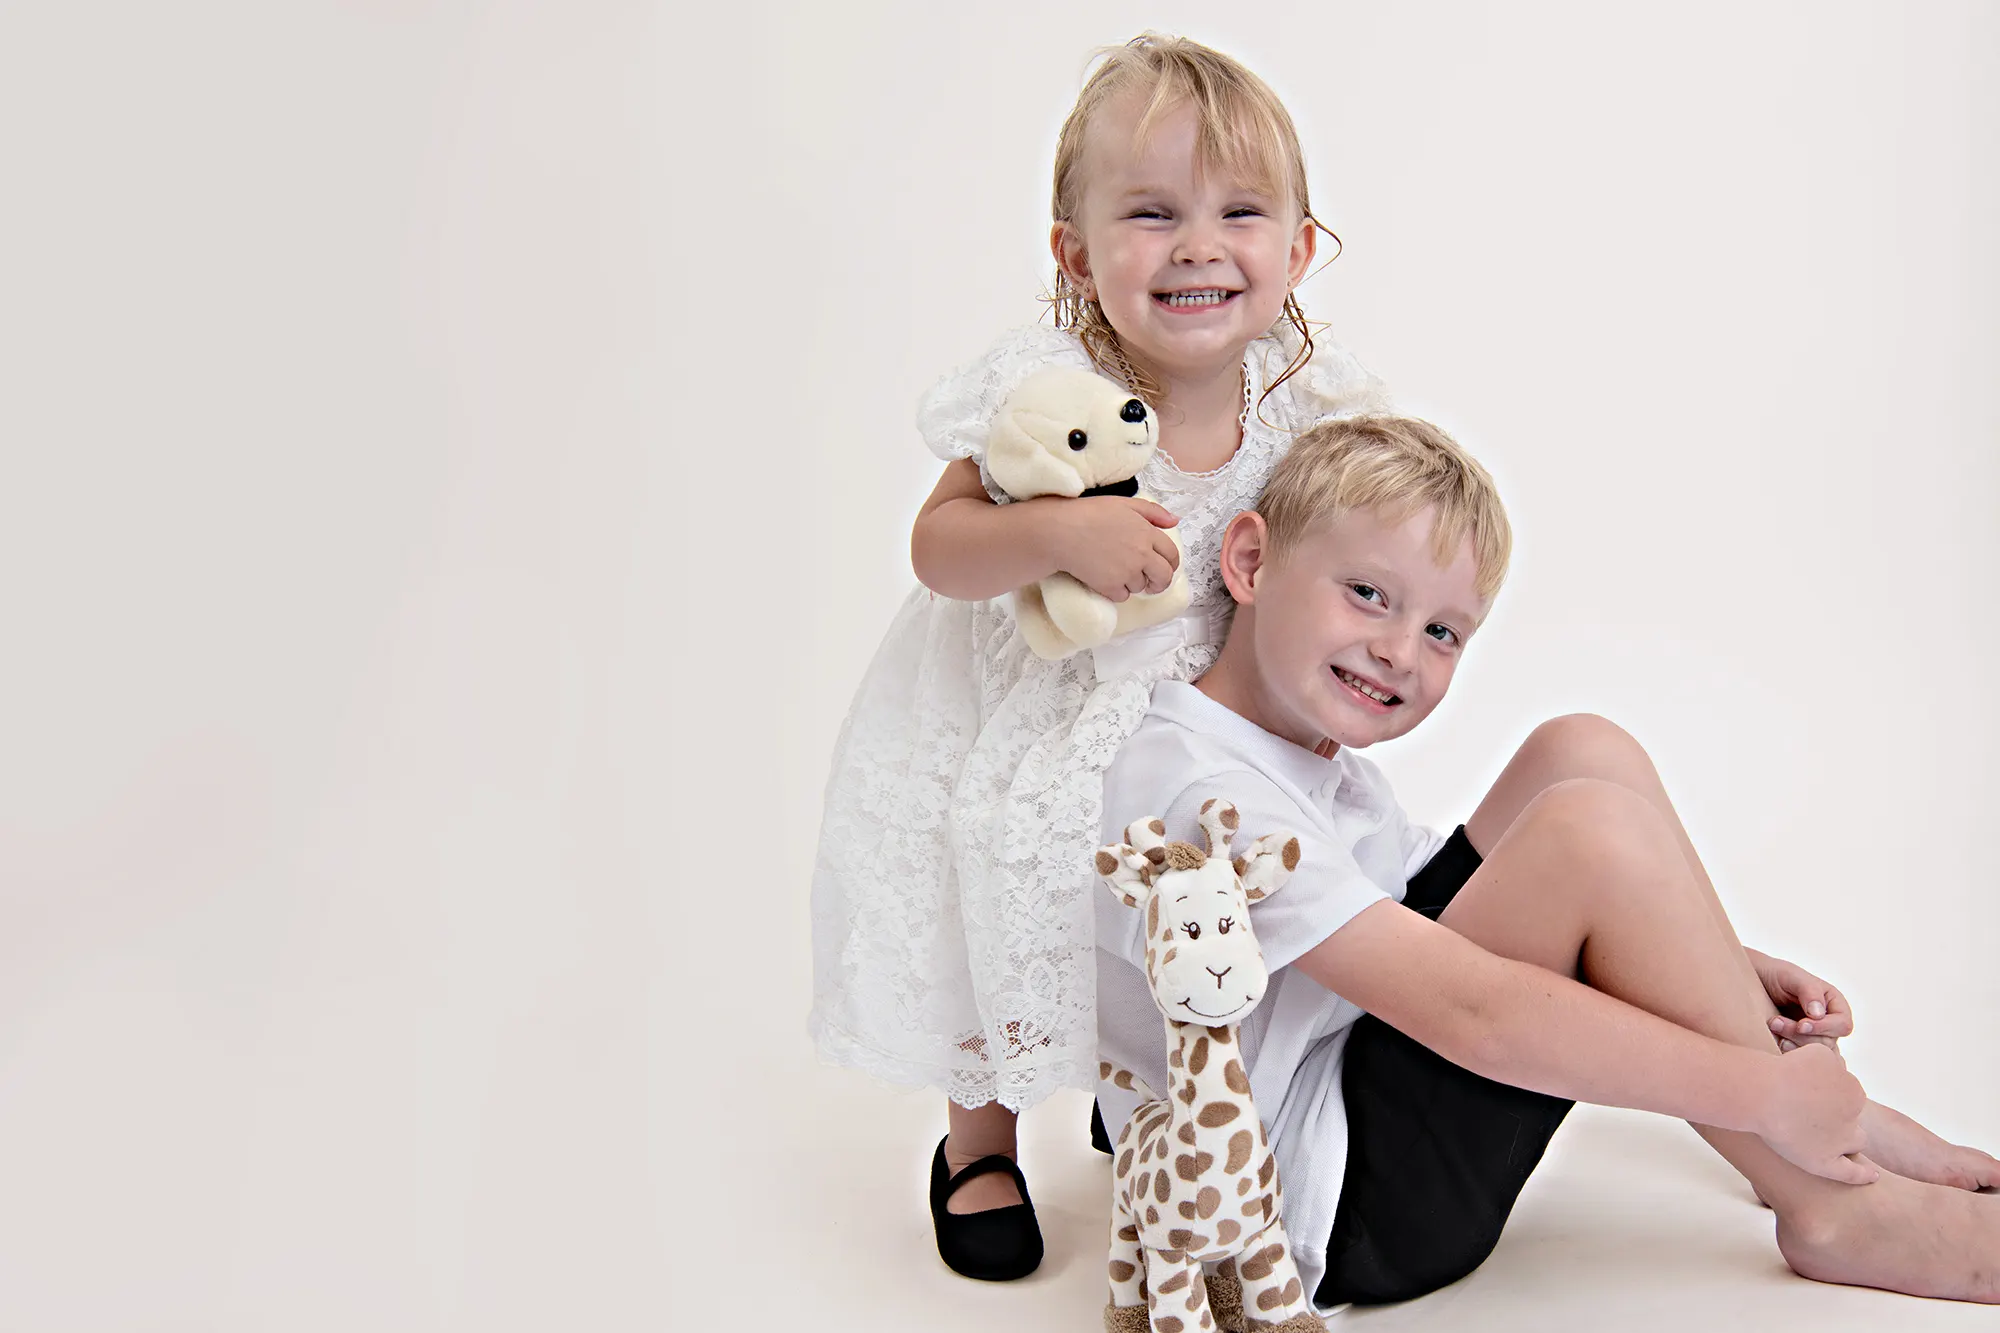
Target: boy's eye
x=1193 y=930
x=1367 y=592
x=1442 y=633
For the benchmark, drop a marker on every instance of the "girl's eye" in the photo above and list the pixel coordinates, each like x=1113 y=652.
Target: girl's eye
x=1442 y=633
x=1222 y=926
x=1193 y=931
x=1367 y=592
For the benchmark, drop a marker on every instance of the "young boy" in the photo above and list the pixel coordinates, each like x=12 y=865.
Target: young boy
x=1435 y=1003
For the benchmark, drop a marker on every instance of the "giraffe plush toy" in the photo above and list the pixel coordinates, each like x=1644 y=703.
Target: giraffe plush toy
x=1193 y=1179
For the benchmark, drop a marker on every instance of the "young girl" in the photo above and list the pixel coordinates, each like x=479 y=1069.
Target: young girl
x=951 y=894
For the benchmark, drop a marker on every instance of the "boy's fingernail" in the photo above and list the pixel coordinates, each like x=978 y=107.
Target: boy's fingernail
x=1815 y=1008
x=1806 y=1026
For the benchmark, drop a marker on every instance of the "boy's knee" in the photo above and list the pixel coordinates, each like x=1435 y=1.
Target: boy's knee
x=1583 y=742
x=1603 y=821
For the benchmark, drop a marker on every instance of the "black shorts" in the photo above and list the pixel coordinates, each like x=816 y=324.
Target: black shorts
x=1436 y=1155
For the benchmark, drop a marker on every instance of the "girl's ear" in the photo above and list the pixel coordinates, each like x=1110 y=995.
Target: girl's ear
x=1305 y=243
x=1066 y=244
x=1245 y=544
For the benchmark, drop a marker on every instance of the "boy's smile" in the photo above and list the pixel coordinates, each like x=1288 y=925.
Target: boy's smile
x=1352 y=636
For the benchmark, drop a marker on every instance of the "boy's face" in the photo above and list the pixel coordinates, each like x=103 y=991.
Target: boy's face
x=1356 y=631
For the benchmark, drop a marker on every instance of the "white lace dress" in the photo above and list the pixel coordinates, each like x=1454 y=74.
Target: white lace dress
x=952 y=918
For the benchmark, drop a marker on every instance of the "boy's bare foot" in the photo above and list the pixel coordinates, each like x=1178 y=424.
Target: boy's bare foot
x=1900 y=1235
x=1898 y=1143
x=992 y=1190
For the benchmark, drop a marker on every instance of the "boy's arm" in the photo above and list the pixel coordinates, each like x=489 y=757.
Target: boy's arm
x=1520 y=1024
x=964 y=546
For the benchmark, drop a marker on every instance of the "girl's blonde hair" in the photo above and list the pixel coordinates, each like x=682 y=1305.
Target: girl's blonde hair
x=1241 y=129
x=1397 y=467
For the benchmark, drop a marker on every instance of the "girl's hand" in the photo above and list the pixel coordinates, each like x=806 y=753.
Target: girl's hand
x=1809 y=1010
x=1115 y=546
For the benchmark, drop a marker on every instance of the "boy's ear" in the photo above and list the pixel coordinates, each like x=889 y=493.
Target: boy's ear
x=1246 y=542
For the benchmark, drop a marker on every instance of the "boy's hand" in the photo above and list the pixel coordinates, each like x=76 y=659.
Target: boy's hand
x=1813 y=1117
x=1114 y=545
x=1809 y=1010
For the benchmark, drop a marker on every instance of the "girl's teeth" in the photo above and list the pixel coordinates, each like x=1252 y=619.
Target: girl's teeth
x=1196 y=298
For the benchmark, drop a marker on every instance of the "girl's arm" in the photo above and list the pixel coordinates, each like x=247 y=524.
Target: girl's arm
x=966 y=547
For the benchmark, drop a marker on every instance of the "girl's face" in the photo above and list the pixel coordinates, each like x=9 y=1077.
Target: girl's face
x=1188 y=267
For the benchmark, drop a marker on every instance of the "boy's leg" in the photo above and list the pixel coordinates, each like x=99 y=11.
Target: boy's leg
x=1585 y=746
x=1588 y=880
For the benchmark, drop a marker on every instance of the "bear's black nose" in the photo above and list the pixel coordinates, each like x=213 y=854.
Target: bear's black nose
x=1078 y=440
x=1134 y=410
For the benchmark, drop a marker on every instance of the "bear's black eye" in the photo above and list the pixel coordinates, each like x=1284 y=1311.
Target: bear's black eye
x=1134 y=410
x=1077 y=439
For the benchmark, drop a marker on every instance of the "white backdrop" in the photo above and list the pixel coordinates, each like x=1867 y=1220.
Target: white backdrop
x=458 y=461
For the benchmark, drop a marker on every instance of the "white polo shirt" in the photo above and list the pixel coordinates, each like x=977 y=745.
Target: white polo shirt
x=1356 y=848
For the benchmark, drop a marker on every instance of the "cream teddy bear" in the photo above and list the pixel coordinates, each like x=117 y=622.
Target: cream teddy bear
x=1070 y=432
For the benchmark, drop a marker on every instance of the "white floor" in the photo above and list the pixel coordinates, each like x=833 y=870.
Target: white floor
x=1630 y=1224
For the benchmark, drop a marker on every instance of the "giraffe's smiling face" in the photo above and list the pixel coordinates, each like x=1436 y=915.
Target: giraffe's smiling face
x=1201 y=957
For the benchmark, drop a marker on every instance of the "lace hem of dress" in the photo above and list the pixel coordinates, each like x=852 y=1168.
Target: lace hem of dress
x=1018 y=1087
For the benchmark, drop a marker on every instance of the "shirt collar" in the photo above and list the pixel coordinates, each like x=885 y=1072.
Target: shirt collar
x=1179 y=702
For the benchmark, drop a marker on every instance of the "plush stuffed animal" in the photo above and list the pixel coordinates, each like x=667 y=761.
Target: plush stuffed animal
x=1193 y=1179
x=1069 y=432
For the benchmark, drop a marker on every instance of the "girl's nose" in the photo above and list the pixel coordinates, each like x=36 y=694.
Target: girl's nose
x=1200 y=243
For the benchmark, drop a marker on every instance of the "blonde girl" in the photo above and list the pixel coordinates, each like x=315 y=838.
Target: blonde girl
x=951 y=893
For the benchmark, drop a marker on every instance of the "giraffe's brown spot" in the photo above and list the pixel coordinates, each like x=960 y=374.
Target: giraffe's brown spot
x=1124 y=1161
x=1159 y=827
x=1197 y=1298
x=1221 y=1036
x=1207 y=1201
x=1229 y=818
x=1239 y=1150
x=1227 y=1230
x=1233 y=1075
x=1183 y=1239
x=1209 y=804
x=1123 y=1079
x=1242 y=1186
x=1172 y=954
x=1270 y=1298
x=1142 y=1184
x=1256 y=1267
x=1217 y=1114
x=1260 y=1136
x=1292 y=1289
x=1198 y=1057
x=1265 y=1171
x=1155 y=856
x=1122 y=1271
x=1106 y=863
x=1191 y=1165
x=1206 y=1322
x=1188 y=1094
x=1166 y=1323
x=1240 y=865
x=1186 y=1133
x=1174 y=1283
x=1175 y=1059
x=1255 y=1207
x=1187 y=1209
x=1289 y=857
x=1152 y=918
x=1161 y=1185
x=1128 y=1233
x=1152 y=1216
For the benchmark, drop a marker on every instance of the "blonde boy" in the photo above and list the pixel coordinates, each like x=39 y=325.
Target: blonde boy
x=1437 y=1002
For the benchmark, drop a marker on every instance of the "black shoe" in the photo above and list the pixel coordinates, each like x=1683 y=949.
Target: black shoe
x=998 y=1245
x=1099 y=1138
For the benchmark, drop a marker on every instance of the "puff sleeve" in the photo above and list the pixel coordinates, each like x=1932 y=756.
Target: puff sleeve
x=956 y=414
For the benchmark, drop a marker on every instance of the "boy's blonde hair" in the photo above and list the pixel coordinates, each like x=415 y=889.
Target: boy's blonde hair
x=1395 y=466
x=1241 y=129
